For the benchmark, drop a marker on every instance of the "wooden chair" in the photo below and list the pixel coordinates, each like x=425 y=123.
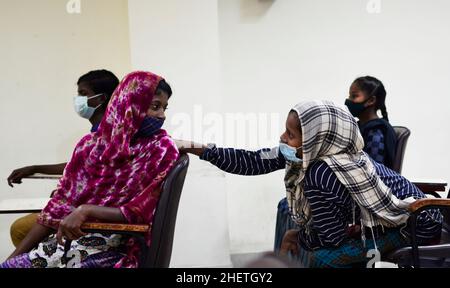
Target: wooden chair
x=426 y=256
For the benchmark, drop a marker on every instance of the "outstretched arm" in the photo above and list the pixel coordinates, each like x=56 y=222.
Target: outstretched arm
x=237 y=161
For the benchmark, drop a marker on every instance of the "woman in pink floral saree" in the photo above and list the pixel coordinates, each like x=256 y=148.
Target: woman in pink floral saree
x=114 y=175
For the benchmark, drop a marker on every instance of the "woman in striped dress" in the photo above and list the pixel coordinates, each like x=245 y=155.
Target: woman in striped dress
x=333 y=189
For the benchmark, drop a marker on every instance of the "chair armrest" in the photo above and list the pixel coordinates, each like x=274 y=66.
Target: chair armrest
x=20 y=211
x=430 y=186
x=415 y=208
x=43 y=176
x=428 y=203
x=22 y=205
x=115 y=227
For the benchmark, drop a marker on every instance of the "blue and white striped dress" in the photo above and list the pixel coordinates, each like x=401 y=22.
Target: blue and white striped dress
x=331 y=203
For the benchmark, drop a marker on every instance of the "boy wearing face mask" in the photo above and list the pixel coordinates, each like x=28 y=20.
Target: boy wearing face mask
x=94 y=92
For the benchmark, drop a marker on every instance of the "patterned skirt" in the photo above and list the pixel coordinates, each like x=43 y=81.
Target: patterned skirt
x=96 y=250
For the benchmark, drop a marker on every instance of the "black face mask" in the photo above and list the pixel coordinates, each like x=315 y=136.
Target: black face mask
x=355 y=108
x=149 y=127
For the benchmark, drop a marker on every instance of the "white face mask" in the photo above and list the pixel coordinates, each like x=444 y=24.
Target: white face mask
x=82 y=108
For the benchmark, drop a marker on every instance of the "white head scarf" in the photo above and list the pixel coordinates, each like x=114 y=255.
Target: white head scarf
x=331 y=134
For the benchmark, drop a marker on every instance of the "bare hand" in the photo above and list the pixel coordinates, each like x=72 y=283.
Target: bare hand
x=185 y=146
x=70 y=227
x=18 y=174
x=182 y=144
x=289 y=242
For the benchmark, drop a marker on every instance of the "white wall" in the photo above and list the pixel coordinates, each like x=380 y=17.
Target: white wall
x=314 y=49
x=44 y=51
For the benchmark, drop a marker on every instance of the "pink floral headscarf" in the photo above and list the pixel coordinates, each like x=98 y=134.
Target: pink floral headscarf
x=112 y=168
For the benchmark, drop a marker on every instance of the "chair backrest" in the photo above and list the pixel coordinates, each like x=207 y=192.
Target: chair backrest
x=402 y=134
x=163 y=227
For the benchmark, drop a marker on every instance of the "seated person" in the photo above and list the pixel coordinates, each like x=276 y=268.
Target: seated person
x=367 y=95
x=94 y=91
x=332 y=184
x=114 y=175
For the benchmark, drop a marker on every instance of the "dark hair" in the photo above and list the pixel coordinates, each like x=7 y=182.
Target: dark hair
x=165 y=87
x=371 y=86
x=100 y=81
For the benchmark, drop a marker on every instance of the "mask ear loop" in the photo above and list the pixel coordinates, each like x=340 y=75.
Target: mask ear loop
x=95 y=96
x=98 y=106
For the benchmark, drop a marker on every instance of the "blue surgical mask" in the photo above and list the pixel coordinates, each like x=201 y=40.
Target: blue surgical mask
x=149 y=127
x=82 y=108
x=290 y=153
